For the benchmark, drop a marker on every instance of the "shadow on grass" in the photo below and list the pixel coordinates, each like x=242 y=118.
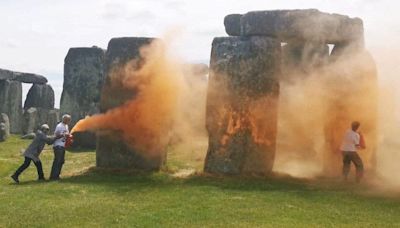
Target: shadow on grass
x=81 y=150
x=118 y=181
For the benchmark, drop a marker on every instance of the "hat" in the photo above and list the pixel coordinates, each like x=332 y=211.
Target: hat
x=45 y=127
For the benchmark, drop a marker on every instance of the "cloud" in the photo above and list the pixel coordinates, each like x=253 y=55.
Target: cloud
x=142 y=15
x=112 y=11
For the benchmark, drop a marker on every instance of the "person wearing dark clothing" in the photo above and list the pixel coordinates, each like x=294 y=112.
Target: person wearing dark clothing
x=33 y=153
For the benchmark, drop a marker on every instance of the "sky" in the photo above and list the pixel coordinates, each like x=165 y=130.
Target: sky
x=36 y=34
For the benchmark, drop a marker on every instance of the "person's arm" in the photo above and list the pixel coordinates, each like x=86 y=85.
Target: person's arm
x=356 y=140
x=362 y=141
x=51 y=139
x=43 y=137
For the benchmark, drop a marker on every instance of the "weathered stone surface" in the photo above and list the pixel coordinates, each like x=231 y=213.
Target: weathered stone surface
x=4 y=119
x=11 y=103
x=302 y=58
x=22 y=77
x=232 y=24
x=3 y=134
x=53 y=117
x=310 y=24
x=33 y=118
x=242 y=102
x=6 y=74
x=40 y=96
x=112 y=151
x=83 y=80
x=30 y=120
x=4 y=127
x=30 y=78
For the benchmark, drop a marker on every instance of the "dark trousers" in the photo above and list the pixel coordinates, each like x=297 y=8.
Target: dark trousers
x=26 y=164
x=348 y=157
x=59 y=158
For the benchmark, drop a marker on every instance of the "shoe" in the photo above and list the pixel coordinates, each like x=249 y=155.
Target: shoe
x=15 y=178
x=55 y=178
x=42 y=179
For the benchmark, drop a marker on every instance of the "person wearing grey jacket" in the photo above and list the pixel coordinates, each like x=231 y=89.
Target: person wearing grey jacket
x=33 y=153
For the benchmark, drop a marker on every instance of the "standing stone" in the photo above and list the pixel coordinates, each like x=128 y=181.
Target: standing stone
x=11 y=103
x=53 y=117
x=112 y=151
x=3 y=134
x=83 y=80
x=33 y=118
x=4 y=119
x=40 y=96
x=30 y=119
x=4 y=127
x=242 y=105
x=355 y=85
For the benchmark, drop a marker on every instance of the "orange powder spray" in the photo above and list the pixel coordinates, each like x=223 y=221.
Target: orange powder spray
x=145 y=121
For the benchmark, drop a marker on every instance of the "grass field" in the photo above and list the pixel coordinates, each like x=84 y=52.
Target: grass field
x=96 y=198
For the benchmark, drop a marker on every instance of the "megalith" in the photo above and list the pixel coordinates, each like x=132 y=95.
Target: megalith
x=306 y=25
x=353 y=73
x=11 y=103
x=53 y=117
x=4 y=127
x=3 y=134
x=346 y=76
x=4 y=119
x=112 y=151
x=33 y=118
x=22 y=77
x=232 y=24
x=242 y=104
x=40 y=96
x=30 y=121
x=83 y=81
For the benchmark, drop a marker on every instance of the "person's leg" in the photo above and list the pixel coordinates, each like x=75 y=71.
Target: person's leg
x=359 y=166
x=39 y=169
x=61 y=162
x=59 y=154
x=346 y=164
x=54 y=166
x=25 y=165
x=18 y=172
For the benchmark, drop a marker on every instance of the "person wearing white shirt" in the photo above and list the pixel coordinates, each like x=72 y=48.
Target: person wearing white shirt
x=349 y=147
x=61 y=133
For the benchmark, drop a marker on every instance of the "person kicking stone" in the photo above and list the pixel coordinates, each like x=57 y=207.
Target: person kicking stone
x=61 y=132
x=33 y=153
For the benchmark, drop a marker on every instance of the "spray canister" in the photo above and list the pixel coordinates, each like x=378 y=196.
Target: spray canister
x=68 y=141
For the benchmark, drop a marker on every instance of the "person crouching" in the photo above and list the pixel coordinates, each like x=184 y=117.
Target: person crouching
x=33 y=153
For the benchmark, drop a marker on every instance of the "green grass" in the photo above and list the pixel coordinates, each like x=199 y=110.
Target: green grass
x=90 y=197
